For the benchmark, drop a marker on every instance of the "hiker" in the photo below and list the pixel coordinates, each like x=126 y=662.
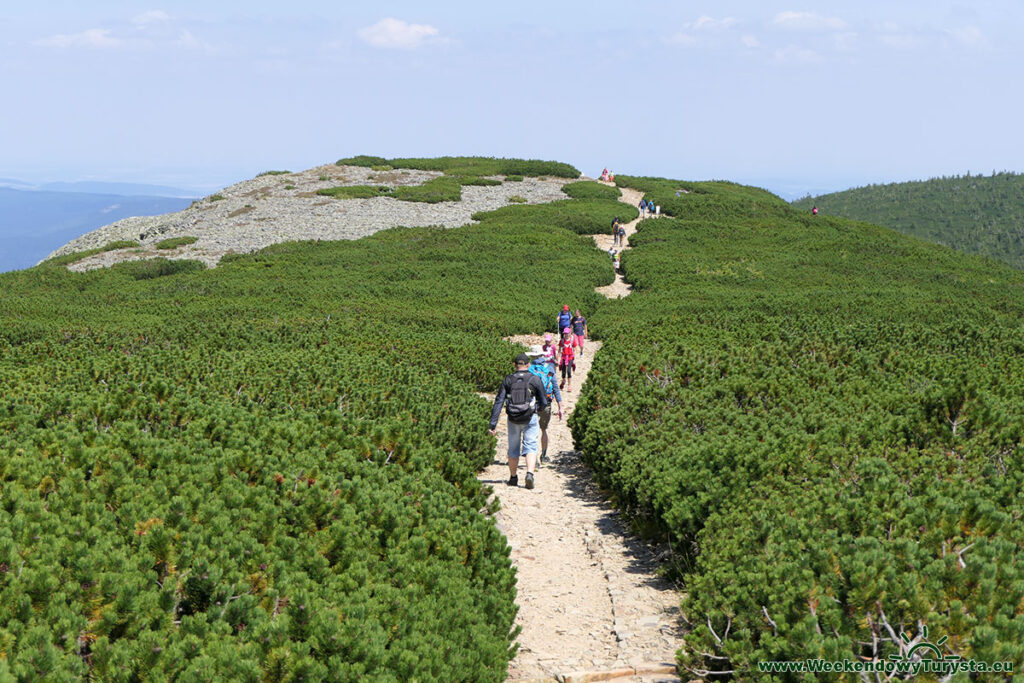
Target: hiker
x=814 y=210
x=604 y=175
x=579 y=330
x=615 y=230
x=564 y=318
x=622 y=235
x=540 y=368
x=566 y=359
x=522 y=393
x=550 y=351
x=642 y=206
x=616 y=264
x=650 y=206
x=611 y=252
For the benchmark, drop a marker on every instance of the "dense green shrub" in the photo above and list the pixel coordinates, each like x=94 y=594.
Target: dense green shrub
x=822 y=417
x=589 y=189
x=266 y=471
x=147 y=269
x=513 y=178
x=363 y=160
x=582 y=216
x=472 y=166
x=356 y=191
x=175 y=242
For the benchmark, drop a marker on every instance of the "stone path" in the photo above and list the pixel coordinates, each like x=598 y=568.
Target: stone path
x=591 y=604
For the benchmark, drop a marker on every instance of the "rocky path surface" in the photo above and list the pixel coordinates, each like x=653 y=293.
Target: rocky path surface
x=591 y=604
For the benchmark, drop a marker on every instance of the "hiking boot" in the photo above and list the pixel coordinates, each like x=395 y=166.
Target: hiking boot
x=529 y=480
x=513 y=481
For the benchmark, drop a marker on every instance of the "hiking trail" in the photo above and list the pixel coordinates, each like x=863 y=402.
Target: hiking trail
x=619 y=288
x=591 y=605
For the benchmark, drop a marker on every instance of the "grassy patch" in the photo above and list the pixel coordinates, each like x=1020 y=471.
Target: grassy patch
x=175 y=242
x=244 y=210
x=79 y=255
x=513 y=178
x=471 y=166
x=516 y=199
x=216 y=197
x=260 y=175
x=356 y=191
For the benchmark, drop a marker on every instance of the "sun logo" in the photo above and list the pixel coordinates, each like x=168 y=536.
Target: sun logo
x=926 y=646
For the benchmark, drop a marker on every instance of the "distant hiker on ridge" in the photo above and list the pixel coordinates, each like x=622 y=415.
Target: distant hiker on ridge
x=615 y=231
x=522 y=393
x=814 y=210
x=642 y=205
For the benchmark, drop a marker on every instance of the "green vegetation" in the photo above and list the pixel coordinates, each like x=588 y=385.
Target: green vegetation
x=289 y=187
x=266 y=471
x=513 y=178
x=447 y=188
x=260 y=175
x=356 y=191
x=823 y=419
x=516 y=199
x=582 y=216
x=149 y=269
x=79 y=255
x=589 y=189
x=470 y=166
x=975 y=214
x=216 y=197
x=381 y=167
x=175 y=242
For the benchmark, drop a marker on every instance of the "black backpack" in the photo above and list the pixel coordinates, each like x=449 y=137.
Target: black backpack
x=519 y=405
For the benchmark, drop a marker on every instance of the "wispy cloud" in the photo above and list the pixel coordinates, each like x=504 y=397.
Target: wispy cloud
x=971 y=36
x=699 y=31
x=795 y=54
x=706 y=23
x=397 y=34
x=153 y=16
x=807 y=21
x=750 y=41
x=99 y=38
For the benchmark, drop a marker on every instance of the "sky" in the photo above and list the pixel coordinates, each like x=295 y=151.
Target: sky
x=794 y=96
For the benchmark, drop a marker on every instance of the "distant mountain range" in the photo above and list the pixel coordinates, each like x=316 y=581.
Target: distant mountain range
x=36 y=219
x=975 y=214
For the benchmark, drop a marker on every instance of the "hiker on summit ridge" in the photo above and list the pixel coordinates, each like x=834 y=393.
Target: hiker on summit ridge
x=522 y=393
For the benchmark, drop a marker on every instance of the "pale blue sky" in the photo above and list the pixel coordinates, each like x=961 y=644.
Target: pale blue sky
x=788 y=94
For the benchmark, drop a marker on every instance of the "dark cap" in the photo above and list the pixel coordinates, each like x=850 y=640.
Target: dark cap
x=522 y=359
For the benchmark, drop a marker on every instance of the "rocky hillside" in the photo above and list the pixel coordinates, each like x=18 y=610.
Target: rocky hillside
x=281 y=206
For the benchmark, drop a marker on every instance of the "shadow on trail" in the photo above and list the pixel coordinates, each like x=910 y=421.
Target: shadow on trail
x=640 y=555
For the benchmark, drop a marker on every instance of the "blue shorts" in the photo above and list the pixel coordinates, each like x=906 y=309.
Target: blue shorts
x=522 y=438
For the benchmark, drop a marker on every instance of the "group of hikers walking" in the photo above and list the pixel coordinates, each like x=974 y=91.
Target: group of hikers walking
x=528 y=393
